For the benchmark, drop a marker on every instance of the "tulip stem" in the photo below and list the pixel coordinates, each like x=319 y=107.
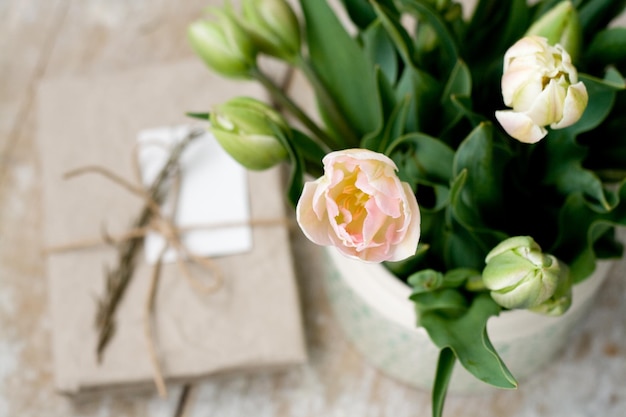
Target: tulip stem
x=327 y=101
x=279 y=95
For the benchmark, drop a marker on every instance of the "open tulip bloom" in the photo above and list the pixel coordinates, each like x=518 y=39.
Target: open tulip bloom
x=361 y=207
x=542 y=86
x=481 y=158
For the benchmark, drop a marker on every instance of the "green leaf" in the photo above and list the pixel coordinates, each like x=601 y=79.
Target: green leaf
x=362 y=13
x=565 y=171
x=495 y=23
x=395 y=124
x=457 y=277
x=381 y=50
x=459 y=84
x=376 y=139
x=467 y=337
x=431 y=158
x=342 y=66
x=485 y=166
x=475 y=155
x=601 y=98
x=307 y=147
x=614 y=79
x=445 y=302
x=296 y=179
x=518 y=21
x=482 y=18
x=607 y=149
x=424 y=92
x=575 y=245
x=432 y=230
x=596 y=14
x=467 y=238
x=465 y=247
x=607 y=47
x=443 y=374
x=201 y=116
x=406 y=266
x=449 y=54
x=426 y=280
x=544 y=6
x=312 y=153
x=397 y=33
x=464 y=105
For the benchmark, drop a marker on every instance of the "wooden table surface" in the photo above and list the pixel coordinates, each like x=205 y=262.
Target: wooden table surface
x=65 y=38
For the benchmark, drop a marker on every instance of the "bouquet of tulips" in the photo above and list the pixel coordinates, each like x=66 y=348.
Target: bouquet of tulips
x=481 y=158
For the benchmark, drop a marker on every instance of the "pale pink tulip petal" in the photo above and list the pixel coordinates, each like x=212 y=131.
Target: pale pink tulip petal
x=315 y=228
x=406 y=247
x=361 y=207
x=375 y=219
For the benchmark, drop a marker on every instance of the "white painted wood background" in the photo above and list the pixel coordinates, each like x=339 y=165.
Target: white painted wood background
x=64 y=38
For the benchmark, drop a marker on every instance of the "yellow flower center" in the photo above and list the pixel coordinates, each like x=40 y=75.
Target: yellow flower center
x=352 y=200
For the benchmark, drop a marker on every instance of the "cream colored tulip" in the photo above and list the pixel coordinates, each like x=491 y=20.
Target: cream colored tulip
x=541 y=86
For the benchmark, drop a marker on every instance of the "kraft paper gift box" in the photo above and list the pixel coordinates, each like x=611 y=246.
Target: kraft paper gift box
x=251 y=322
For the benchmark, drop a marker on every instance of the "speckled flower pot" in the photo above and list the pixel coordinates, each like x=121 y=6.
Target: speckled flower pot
x=373 y=308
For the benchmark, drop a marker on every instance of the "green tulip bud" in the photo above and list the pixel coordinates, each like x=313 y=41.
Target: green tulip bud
x=561 y=300
x=223 y=44
x=273 y=26
x=243 y=127
x=519 y=275
x=560 y=25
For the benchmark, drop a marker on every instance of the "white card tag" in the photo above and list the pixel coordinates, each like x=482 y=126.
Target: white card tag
x=213 y=191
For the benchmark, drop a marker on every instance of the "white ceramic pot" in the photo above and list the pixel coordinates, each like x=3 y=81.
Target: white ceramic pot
x=374 y=310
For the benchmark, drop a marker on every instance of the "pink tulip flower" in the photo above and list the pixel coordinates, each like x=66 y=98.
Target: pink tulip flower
x=361 y=207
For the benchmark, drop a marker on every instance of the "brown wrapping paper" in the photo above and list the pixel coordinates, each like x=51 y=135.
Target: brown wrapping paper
x=252 y=322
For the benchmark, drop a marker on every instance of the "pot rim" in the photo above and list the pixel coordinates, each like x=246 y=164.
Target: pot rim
x=389 y=296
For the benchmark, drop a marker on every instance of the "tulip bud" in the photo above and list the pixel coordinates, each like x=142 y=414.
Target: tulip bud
x=243 y=127
x=541 y=85
x=519 y=275
x=560 y=25
x=273 y=26
x=224 y=45
x=561 y=300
